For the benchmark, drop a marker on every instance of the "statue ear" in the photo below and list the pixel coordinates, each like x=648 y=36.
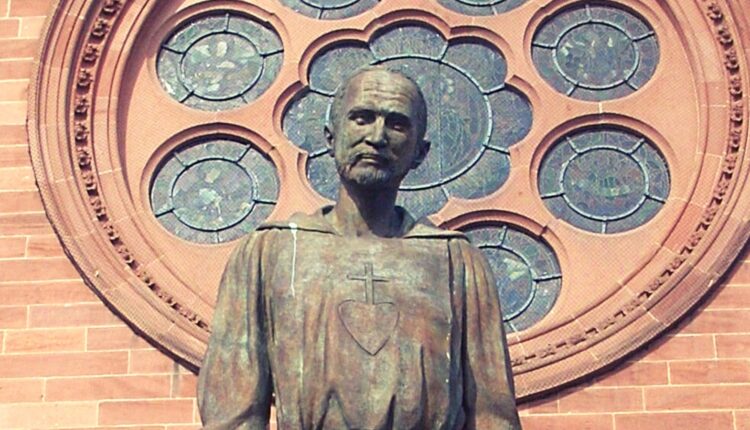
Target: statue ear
x=329 y=139
x=422 y=150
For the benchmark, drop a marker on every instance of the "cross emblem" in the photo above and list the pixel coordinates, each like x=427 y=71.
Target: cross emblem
x=370 y=324
x=370 y=279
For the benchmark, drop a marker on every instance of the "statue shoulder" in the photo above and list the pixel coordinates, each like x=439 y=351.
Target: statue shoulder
x=298 y=221
x=427 y=231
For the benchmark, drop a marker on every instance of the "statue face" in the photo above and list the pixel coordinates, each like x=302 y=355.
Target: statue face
x=375 y=141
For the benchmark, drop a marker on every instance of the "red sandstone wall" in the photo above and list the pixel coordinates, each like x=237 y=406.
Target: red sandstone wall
x=67 y=362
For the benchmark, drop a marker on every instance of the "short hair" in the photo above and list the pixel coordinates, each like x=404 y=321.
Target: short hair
x=334 y=114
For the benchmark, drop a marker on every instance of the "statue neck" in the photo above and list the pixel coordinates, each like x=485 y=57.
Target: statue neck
x=366 y=212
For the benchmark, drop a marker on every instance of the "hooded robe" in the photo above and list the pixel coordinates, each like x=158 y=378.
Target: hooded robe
x=357 y=333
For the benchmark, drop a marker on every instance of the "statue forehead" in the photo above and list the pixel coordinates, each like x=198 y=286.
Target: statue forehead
x=376 y=84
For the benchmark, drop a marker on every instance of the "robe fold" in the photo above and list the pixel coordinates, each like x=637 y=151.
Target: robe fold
x=357 y=333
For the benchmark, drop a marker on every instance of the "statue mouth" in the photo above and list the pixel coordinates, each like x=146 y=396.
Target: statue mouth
x=372 y=158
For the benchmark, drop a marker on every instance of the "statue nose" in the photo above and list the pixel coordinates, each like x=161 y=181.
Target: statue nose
x=376 y=135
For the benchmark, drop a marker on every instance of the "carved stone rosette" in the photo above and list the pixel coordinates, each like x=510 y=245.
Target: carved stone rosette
x=101 y=124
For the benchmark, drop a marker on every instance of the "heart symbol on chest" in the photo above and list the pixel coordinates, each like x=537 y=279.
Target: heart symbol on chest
x=369 y=324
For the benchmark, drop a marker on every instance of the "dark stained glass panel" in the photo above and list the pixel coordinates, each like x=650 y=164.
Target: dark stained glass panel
x=527 y=273
x=604 y=180
x=219 y=62
x=481 y=7
x=473 y=117
x=335 y=65
x=214 y=190
x=330 y=9
x=408 y=41
x=595 y=52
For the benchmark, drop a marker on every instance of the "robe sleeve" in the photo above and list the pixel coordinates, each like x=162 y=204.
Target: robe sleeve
x=489 y=397
x=234 y=385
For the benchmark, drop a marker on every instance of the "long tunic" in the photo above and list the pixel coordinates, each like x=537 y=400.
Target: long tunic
x=357 y=333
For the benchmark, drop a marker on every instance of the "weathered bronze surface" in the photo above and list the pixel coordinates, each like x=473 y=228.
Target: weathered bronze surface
x=357 y=317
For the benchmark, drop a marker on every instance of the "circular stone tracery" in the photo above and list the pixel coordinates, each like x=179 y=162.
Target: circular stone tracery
x=481 y=7
x=595 y=52
x=213 y=191
x=473 y=118
x=330 y=9
x=604 y=180
x=527 y=273
x=219 y=61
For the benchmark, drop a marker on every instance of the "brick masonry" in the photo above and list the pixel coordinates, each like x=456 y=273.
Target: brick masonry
x=67 y=362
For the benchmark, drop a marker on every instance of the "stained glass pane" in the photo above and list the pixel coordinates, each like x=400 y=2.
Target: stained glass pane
x=480 y=61
x=264 y=38
x=330 y=9
x=219 y=62
x=511 y=118
x=261 y=172
x=207 y=191
x=215 y=148
x=604 y=180
x=457 y=120
x=212 y=195
x=481 y=7
x=408 y=41
x=304 y=120
x=482 y=179
x=161 y=189
x=527 y=273
x=271 y=66
x=168 y=69
x=335 y=65
x=423 y=202
x=321 y=171
x=194 y=30
x=473 y=118
x=595 y=52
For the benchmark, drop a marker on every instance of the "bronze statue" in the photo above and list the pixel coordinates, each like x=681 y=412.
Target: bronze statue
x=357 y=317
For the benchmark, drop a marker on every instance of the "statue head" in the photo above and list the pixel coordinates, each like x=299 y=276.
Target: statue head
x=377 y=126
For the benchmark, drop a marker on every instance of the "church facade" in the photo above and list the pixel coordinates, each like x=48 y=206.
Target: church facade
x=593 y=150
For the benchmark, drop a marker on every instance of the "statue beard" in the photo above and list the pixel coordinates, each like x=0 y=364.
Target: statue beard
x=366 y=177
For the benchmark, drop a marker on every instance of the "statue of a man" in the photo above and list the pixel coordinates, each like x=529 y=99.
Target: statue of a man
x=357 y=317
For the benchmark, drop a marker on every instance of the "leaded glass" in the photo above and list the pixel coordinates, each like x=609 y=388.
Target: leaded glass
x=330 y=9
x=604 y=180
x=527 y=273
x=335 y=65
x=214 y=190
x=473 y=117
x=481 y=7
x=595 y=52
x=219 y=61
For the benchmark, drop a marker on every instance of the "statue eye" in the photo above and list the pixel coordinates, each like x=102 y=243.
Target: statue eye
x=362 y=117
x=398 y=123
